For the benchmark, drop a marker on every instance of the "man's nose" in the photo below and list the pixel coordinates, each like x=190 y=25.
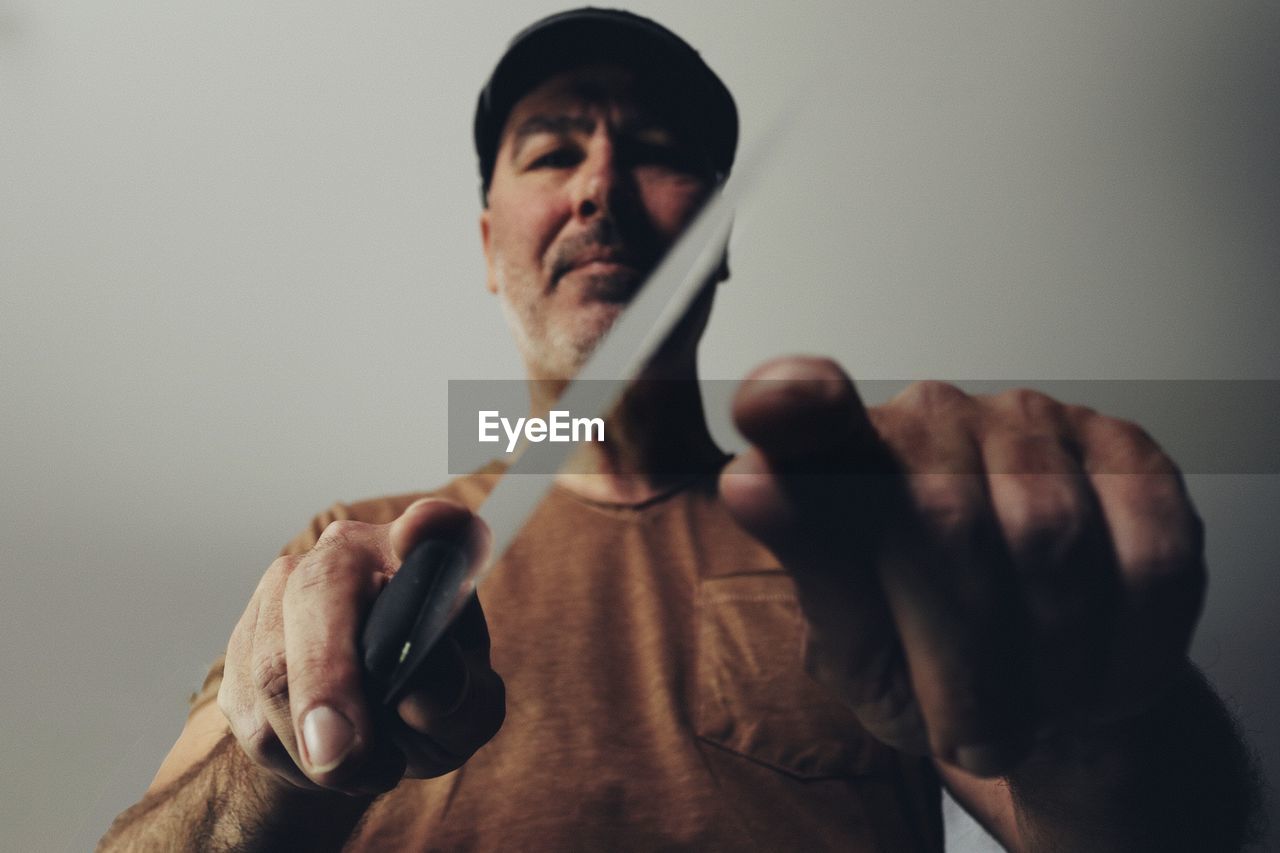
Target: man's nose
x=599 y=181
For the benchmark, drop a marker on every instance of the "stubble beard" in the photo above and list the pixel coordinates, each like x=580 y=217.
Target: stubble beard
x=551 y=349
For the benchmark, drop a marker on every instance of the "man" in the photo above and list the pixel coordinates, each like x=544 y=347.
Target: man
x=786 y=651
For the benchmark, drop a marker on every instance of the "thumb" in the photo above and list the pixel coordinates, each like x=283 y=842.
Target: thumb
x=811 y=490
x=436 y=518
x=799 y=407
x=810 y=431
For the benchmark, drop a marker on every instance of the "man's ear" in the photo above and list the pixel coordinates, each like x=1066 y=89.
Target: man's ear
x=491 y=274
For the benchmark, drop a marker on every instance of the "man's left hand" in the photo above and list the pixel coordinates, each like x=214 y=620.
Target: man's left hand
x=979 y=574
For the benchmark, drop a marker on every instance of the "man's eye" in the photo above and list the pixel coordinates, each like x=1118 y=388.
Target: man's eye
x=671 y=157
x=560 y=158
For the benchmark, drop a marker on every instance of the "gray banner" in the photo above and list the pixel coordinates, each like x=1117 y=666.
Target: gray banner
x=1205 y=426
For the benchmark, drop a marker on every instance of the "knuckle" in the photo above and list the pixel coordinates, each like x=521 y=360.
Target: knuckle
x=933 y=395
x=946 y=505
x=1022 y=454
x=1045 y=511
x=270 y=674
x=283 y=565
x=1030 y=405
x=1130 y=446
x=1124 y=434
x=904 y=432
x=231 y=705
x=315 y=574
x=343 y=531
x=1077 y=414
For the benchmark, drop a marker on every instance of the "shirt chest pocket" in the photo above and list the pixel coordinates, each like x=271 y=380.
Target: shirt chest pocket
x=753 y=696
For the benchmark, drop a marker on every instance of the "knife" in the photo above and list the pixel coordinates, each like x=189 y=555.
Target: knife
x=439 y=576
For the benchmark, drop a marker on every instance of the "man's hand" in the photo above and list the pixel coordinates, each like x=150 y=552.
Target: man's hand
x=979 y=574
x=292 y=688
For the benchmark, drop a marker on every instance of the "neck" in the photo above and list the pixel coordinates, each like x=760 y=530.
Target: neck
x=655 y=439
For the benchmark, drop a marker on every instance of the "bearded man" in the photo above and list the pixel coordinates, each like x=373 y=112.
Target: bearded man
x=786 y=650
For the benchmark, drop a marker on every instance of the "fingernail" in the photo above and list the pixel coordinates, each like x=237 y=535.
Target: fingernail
x=328 y=737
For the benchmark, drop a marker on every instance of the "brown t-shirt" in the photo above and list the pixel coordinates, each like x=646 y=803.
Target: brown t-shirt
x=655 y=700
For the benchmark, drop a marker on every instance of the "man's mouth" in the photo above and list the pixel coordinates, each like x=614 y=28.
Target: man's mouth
x=601 y=260
x=603 y=267
x=609 y=275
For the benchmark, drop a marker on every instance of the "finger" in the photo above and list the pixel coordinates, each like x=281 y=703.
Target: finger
x=801 y=408
x=949 y=583
x=323 y=602
x=456 y=697
x=236 y=696
x=271 y=677
x=449 y=734
x=439 y=686
x=249 y=687
x=931 y=533
x=1061 y=557
x=1158 y=542
x=799 y=491
x=811 y=434
x=458 y=702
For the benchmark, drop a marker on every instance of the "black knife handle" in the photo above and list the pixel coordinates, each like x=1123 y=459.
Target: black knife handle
x=394 y=641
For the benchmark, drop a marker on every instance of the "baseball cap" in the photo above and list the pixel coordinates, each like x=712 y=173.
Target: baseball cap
x=668 y=65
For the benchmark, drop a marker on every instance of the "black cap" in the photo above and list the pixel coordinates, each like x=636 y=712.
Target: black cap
x=589 y=36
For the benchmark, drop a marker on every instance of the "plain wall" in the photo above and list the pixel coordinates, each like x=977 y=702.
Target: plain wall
x=239 y=260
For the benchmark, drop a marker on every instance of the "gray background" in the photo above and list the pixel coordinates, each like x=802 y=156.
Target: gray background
x=239 y=261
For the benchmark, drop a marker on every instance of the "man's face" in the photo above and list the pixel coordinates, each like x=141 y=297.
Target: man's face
x=590 y=187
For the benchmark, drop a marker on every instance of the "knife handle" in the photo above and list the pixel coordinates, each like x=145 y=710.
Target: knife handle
x=410 y=614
